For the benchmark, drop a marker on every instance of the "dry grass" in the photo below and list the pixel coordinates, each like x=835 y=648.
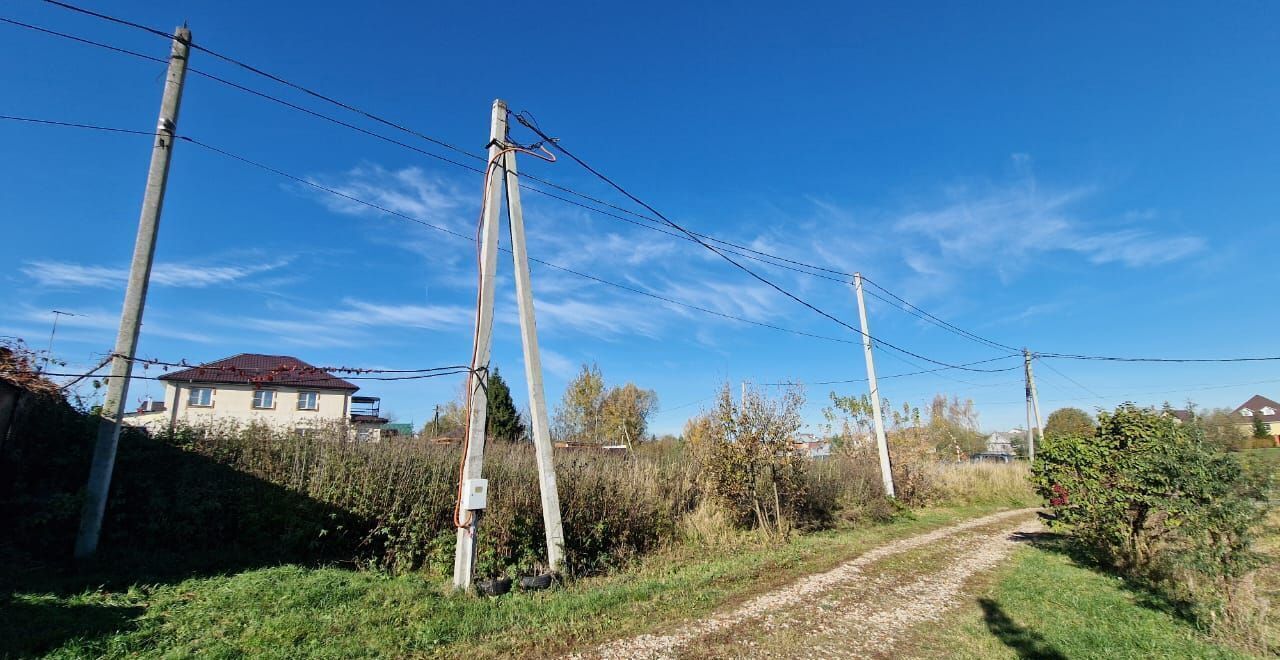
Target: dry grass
x=1006 y=484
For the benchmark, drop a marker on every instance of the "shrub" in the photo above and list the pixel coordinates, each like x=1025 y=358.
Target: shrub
x=1154 y=500
x=226 y=496
x=756 y=474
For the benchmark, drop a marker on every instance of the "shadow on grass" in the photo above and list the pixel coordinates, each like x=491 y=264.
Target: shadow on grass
x=1025 y=642
x=1143 y=595
x=30 y=628
x=173 y=514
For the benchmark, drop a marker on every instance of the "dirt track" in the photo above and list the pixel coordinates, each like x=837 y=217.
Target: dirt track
x=861 y=608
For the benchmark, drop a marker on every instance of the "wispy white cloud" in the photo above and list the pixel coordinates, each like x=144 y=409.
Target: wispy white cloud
x=64 y=274
x=429 y=317
x=411 y=191
x=352 y=323
x=1136 y=248
x=101 y=325
x=557 y=364
x=1004 y=227
x=604 y=320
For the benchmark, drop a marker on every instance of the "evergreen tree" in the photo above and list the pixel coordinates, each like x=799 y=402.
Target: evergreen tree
x=1259 y=427
x=503 y=421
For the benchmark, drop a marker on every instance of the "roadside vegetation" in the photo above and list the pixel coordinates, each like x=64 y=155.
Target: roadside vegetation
x=236 y=538
x=1161 y=505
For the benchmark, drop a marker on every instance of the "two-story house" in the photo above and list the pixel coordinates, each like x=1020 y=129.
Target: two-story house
x=279 y=390
x=1260 y=407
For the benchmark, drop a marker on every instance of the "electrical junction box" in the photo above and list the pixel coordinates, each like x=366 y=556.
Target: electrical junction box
x=475 y=494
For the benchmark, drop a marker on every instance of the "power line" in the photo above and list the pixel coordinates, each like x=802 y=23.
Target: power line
x=1073 y=381
x=911 y=373
x=548 y=264
x=555 y=143
x=403 y=216
x=737 y=248
x=299 y=380
x=1112 y=358
x=67 y=124
x=908 y=306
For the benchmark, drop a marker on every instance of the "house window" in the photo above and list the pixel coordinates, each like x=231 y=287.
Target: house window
x=1268 y=411
x=264 y=399
x=1246 y=412
x=308 y=400
x=200 y=397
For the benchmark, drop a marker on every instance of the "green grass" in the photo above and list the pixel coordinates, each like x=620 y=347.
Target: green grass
x=1044 y=605
x=331 y=612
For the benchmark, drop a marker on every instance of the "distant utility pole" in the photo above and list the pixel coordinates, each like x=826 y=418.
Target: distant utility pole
x=135 y=296
x=882 y=445
x=502 y=166
x=48 y=354
x=1033 y=406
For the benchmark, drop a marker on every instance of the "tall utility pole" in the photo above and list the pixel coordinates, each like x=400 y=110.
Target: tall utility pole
x=135 y=296
x=882 y=445
x=502 y=165
x=533 y=368
x=1033 y=406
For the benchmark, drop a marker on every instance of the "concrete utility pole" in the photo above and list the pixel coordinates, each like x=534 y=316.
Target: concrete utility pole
x=502 y=166
x=882 y=444
x=1033 y=406
x=533 y=372
x=135 y=296
x=478 y=381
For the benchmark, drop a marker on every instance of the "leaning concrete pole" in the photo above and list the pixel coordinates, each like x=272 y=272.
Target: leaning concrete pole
x=882 y=443
x=533 y=374
x=135 y=296
x=464 y=556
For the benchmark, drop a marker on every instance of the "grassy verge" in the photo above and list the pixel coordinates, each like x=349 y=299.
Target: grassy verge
x=291 y=611
x=1044 y=605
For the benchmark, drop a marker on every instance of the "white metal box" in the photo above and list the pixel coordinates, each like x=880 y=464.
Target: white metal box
x=475 y=494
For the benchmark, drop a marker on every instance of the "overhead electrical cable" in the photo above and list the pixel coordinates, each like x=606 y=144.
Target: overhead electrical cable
x=1069 y=379
x=903 y=375
x=738 y=248
x=934 y=319
x=446 y=230
x=555 y=144
x=1112 y=358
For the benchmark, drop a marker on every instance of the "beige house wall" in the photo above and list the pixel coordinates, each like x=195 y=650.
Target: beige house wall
x=235 y=402
x=1273 y=428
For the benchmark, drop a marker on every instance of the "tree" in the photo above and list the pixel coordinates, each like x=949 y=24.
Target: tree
x=577 y=417
x=625 y=411
x=1070 y=421
x=953 y=427
x=1260 y=427
x=1221 y=429
x=755 y=471
x=697 y=429
x=449 y=420
x=503 y=420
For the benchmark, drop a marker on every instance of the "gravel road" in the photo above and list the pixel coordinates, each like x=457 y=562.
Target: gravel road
x=860 y=609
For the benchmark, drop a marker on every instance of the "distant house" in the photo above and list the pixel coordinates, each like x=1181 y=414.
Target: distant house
x=279 y=390
x=807 y=444
x=1260 y=407
x=1180 y=416
x=1000 y=443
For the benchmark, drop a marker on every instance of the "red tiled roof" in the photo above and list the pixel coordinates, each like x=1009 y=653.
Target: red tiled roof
x=1256 y=404
x=257 y=369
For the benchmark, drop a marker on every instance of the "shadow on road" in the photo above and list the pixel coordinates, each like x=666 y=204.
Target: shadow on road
x=1023 y=641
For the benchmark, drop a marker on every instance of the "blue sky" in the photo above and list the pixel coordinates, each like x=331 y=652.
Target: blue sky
x=1077 y=178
